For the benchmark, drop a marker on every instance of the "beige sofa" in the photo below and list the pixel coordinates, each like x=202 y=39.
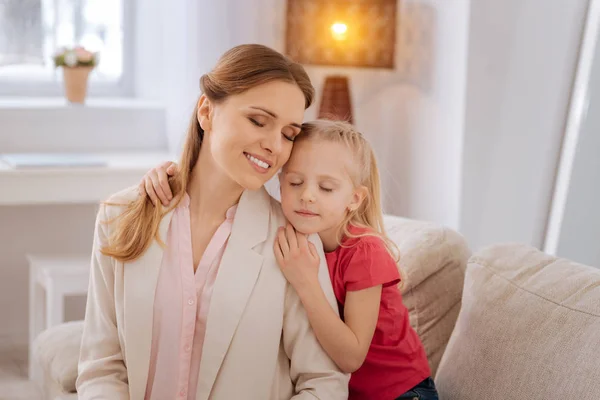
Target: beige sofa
x=526 y=327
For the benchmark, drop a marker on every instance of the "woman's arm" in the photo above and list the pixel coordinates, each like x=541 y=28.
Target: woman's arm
x=314 y=373
x=346 y=343
x=101 y=370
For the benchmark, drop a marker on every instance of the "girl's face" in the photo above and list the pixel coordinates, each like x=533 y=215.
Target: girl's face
x=316 y=186
x=250 y=135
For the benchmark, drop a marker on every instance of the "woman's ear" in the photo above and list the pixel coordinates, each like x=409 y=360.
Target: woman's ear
x=204 y=113
x=360 y=194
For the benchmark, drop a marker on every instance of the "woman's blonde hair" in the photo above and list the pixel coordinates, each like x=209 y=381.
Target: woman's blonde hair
x=238 y=70
x=370 y=213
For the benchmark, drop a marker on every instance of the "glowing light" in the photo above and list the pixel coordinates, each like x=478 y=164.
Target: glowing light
x=339 y=30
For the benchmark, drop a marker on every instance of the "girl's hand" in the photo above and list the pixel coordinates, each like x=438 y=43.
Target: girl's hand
x=155 y=184
x=297 y=258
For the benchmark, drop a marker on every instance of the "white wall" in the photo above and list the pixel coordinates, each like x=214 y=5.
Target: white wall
x=48 y=125
x=521 y=64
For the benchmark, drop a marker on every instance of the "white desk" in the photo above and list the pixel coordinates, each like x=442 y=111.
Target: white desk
x=75 y=184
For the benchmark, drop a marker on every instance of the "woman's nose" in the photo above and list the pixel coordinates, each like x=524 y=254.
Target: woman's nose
x=273 y=142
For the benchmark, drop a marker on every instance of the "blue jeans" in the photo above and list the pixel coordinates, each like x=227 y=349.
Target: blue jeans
x=423 y=391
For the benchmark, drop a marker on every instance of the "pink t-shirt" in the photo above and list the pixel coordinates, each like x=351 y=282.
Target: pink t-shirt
x=181 y=307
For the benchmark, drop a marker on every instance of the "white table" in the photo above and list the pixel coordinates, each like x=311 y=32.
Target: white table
x=66 y=185
x=51 y=280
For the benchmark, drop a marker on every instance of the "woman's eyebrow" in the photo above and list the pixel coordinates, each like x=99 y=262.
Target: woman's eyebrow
x=272 y=114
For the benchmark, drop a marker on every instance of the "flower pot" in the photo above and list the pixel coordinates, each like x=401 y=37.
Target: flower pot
x=76 y=81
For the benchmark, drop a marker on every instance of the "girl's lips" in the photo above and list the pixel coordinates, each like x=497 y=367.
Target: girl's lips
x=306 y=213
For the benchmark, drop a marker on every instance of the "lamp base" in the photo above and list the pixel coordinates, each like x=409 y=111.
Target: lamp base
x=335 y=99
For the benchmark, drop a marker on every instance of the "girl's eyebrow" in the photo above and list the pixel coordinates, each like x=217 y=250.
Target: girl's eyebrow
x=321 y=177
x=272 y=114
x=329 y=178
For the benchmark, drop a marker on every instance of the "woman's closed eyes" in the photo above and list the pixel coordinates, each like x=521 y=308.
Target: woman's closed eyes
x=255 y=122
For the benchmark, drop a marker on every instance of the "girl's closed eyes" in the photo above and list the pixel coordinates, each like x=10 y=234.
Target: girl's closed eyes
x=323 y=188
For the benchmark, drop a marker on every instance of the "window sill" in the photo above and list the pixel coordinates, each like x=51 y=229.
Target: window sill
x=99 y=103
x=71 y=185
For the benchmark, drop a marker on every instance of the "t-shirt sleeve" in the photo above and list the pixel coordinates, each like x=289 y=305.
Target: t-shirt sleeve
x=370 y=265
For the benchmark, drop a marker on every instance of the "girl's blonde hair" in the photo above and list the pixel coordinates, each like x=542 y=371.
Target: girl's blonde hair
x=238 y=70
x=370 y=213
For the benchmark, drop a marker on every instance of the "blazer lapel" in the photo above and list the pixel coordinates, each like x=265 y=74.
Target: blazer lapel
x=140 y=279
x=236 y=277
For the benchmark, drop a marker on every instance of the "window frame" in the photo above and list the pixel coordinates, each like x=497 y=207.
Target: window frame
x=124 y=87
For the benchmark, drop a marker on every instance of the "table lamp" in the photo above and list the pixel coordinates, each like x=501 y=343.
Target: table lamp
x=342 y=33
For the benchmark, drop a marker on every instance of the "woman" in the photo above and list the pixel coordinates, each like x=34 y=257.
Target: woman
x=187 y=301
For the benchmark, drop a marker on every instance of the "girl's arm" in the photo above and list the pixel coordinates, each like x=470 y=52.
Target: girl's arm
x=155 y=183
x=346 y=343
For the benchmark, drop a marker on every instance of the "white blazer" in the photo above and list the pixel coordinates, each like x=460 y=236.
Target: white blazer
x=258 y=343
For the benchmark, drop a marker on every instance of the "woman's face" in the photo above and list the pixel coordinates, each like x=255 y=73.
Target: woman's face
x=250 y=135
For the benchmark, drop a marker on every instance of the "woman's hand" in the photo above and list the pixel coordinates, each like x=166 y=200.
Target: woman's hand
x=155 y=184
x=297 y=258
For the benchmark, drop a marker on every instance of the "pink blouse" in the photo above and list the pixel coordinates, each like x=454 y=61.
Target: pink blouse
x=181 y=308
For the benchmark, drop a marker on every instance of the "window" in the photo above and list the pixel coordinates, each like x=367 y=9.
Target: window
x=31 y=31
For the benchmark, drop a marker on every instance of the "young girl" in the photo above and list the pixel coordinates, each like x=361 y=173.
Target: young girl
x=330 y=186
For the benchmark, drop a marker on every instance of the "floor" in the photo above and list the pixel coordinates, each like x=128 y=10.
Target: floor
x=14 y=384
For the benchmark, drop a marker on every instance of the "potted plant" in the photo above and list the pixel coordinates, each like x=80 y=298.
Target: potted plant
x=77 y=64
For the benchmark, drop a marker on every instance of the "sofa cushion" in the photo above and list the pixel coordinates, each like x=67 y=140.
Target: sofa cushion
x=56 y=351
x=432 y=262
x=528 y=329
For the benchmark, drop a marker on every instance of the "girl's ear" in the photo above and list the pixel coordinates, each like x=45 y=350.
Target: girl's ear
x=359 y=195
x=204 y=114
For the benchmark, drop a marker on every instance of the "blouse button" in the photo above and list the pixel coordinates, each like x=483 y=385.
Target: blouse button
x=191 y=301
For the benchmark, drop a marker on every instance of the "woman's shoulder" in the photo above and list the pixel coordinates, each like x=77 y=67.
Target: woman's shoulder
x=275 y=208
x=116 y=203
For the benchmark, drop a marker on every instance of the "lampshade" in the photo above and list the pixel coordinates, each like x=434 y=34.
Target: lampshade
x=357 y=33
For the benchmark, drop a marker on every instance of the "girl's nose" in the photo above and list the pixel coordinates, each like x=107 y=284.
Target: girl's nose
x=307 y=196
